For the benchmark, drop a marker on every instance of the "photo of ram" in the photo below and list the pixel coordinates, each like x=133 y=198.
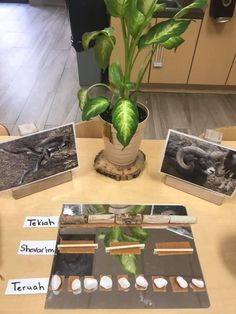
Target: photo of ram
x=200 y=162
x=37 y=156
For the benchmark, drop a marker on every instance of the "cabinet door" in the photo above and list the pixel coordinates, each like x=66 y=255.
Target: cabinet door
x=232 y=74
x=215 y=52
x=174 y=66
x=118 y=52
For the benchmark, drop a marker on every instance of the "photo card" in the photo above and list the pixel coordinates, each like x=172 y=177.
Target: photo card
x=199 y=162
x=38 y=156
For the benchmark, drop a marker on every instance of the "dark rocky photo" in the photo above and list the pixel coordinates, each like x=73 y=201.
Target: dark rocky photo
x=200 y=162
x=37 y=156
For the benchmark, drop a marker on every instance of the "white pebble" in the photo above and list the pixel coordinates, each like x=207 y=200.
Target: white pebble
x=76 y=286
x=106 y=282
x=124 y=283
x=160 y=282
x=55 y=282
x=198 y=283
x=141 y=282
x=182 y=282
x=90 y=283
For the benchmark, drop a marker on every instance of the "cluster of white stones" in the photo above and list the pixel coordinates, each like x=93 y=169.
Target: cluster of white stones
x=106 y=283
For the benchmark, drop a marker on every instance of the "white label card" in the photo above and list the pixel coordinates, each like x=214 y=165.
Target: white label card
x=41 y=222
x=37 y=247
x=27 y=286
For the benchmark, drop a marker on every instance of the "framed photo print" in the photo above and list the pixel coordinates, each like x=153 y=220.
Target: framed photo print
x=199 y=162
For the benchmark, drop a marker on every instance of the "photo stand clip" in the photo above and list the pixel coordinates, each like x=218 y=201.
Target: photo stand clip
x=41 y=185
x=210 y=196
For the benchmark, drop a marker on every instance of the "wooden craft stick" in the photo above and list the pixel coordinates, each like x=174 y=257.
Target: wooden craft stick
x=77 y=245
x=130 y=246
x=173 y=250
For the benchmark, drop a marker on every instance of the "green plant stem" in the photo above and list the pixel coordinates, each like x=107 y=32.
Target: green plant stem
x=124 y=91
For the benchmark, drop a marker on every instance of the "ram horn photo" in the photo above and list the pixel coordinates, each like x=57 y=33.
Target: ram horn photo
x=37 y=156
x=200 y=162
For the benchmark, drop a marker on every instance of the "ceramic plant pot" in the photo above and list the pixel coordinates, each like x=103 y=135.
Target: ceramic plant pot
x=113 y=150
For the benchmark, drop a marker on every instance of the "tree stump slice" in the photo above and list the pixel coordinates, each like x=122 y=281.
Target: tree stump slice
x=116 y=172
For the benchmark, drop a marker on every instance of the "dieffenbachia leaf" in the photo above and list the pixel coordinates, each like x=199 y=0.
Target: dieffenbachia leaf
x=144 y=6
x=138 y=209
x=134 y=19
x=88 y=37
x=114 y=235
x=198 y=4
x=115 y=74
x=140 y=233
x=128 y=238
x=103 y=49
x=94 y=107
x=128 y=262
x=163 y=31
x=173 y=42
x=125 y=120
x=82 y=96
x=160 y=7
x=116 y=8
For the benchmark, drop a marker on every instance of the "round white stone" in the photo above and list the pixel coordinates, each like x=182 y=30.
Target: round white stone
x=141 y=282
x=124 y=283
x=160 y=282
x=198 y=283
x=76 y=285
x=106 y=282
x=90 y=283
x=182 y=282
x=55 y=282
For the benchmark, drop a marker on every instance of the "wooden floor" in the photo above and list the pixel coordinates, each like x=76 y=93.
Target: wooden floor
x=39 y=79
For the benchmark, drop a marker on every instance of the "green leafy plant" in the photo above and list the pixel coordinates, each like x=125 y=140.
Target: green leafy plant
x=135 y=17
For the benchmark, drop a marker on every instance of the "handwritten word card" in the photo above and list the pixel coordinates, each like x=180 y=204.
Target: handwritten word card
x=27 y=286
x=37 y=247
x=41 y=222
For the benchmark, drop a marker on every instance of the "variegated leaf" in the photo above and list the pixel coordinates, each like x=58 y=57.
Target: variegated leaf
x=103 y=49
x=134 y=19
x=115 y=74
x=144 y=6
x=82 y=96
x=173 y=42
x=88 y=37
x=125 y=120
x=198 y=4
x=94 y=107
x=116 y=8
x=163 y=31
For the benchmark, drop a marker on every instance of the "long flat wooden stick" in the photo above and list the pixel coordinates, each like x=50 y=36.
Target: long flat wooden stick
x=77 y=245
x=130 y=246
x=173 y=250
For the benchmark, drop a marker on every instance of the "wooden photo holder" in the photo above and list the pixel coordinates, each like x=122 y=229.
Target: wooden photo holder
x=198 y=191
x=41 y=185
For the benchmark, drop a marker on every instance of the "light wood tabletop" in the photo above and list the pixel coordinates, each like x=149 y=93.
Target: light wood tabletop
x=214 y=234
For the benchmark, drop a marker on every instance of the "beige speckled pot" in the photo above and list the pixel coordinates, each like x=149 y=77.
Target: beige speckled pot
x=113 y=149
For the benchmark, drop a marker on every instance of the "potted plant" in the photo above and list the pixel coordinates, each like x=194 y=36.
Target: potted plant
x=124 y=119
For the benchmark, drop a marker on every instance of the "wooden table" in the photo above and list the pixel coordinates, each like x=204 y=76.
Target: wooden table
x=214 y=234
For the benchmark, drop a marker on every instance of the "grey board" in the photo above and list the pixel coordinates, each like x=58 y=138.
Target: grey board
x=148 y=264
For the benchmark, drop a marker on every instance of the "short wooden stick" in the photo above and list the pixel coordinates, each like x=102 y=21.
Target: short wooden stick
x=60 y=246
x=173 y=250
x=130 y=246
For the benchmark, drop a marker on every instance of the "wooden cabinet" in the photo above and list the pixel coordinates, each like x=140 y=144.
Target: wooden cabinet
x=232 y=74
x=215 y=52
x=176 y=65
x=118 y=52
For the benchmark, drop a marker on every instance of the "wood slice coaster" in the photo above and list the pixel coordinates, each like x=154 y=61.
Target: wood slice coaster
x=173 y=245
x=135 y=251
x=87 y=290
x=106 y=168
x=155 y=289
x=139 y=288
x=77 y=250
x=69 y=283
x=61 y=285
x=175 y=286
